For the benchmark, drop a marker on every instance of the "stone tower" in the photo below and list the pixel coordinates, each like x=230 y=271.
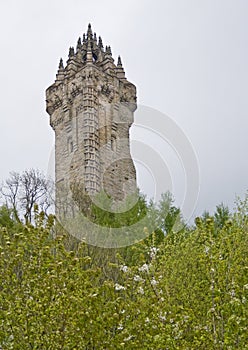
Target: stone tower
x=91 y=105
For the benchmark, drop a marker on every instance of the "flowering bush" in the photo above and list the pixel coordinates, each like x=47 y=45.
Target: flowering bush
x=189 y=291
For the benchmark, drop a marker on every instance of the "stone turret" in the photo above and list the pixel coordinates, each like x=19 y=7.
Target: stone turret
x=91 y=105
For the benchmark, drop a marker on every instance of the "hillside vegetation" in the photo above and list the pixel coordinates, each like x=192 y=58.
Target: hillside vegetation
x=173 y=290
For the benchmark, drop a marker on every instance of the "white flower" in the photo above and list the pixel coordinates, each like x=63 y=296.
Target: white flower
x=137 y=278
x=163 y=316
x=206 y=249
x=153 y=282
x=119 y=287
x=246 y=286
x=120 y=327
x=128 y=338
x=140 y=290
x=124 y=268
x=147 y=320
x=153 y=252
x=144 y=268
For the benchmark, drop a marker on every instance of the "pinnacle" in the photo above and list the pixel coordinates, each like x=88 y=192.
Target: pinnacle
x=61 y=64
x=79 y=43
x=89 y=32
x=119 y=63
x=71 y=51
x=100 y=44
x=108 y=50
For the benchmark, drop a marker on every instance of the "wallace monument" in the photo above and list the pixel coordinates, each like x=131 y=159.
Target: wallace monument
x=91 y=106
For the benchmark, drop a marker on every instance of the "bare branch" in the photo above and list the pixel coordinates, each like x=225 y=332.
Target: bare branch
x=23 y=191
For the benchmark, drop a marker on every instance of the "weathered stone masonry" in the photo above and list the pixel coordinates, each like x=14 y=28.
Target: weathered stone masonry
x=91 y=107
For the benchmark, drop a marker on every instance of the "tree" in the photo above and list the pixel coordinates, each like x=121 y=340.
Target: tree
x=169 y=217
x=22 y=191
x=221 y=215
x=219 y=218
x=10 y=191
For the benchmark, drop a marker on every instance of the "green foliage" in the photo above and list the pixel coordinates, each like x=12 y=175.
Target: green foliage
x=6 y=219
x=221 y=215
x=184 y=290
x=105 y=212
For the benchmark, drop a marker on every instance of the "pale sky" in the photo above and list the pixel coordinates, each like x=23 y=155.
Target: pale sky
x=188 y=59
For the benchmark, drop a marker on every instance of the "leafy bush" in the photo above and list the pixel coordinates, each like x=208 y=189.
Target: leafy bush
x=188 y=290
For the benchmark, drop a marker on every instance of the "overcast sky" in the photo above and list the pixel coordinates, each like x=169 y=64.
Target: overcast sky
x=188 y=59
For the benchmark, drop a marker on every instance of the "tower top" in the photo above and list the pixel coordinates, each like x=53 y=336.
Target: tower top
x=90 y=51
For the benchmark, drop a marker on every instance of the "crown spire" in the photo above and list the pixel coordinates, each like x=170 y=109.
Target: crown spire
x=89 y=32
x=89 y=49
